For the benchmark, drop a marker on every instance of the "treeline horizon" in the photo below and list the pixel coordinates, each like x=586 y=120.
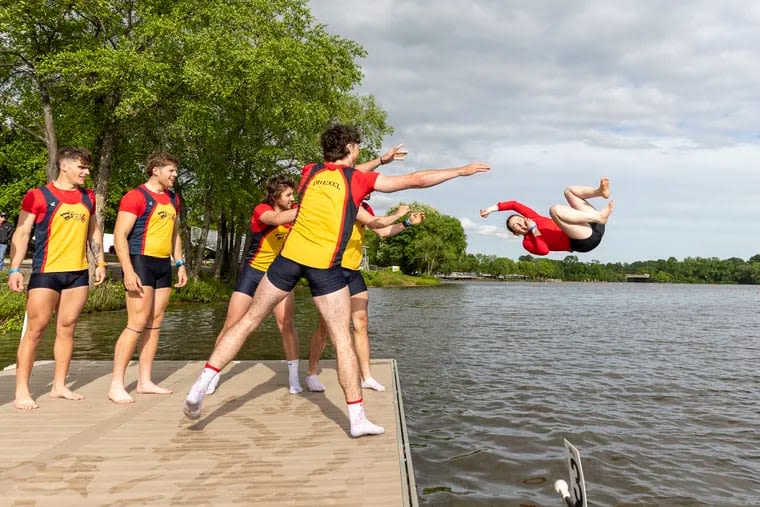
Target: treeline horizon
x=707 y=270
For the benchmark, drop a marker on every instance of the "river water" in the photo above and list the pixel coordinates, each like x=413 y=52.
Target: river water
x=656 y=385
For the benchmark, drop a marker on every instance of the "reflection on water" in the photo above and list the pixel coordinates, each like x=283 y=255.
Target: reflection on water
x=655 y=384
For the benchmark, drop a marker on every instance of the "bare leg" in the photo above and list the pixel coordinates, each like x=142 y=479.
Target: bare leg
x=39 y=309
x=239 y=303
x=283 y=314
x=70 y=305
x=267 y=296
x=139 y=310
x=359 y=318
x=318 y=342
x=335 y=309
x=149 y=344
x=576 y=195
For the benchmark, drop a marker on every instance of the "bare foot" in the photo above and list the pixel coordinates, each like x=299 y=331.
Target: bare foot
x=119 y=395
x=604 y=188
x=65 y=393
x=151 y=388
x=605 y=213
x=25 y=402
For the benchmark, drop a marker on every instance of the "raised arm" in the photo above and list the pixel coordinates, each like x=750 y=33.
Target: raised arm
x=509 y=206
x=415 y=218
x=398 y=152
x=373 y=222
x=19 y=244
x=426 y=178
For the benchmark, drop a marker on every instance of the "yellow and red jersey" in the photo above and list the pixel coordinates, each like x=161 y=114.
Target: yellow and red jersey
x=267 y=240
x=62 y=221
x=352 y=257
x=330 y=195
x=153 y=231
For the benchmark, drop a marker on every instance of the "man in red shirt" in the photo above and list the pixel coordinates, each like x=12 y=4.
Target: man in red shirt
x=60 y=215
x=146 y=237
x=578 y=227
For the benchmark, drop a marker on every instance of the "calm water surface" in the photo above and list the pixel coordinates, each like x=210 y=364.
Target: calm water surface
x=656 y=385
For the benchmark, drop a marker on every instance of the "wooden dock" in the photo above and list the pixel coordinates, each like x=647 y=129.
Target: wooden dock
x=255 y=443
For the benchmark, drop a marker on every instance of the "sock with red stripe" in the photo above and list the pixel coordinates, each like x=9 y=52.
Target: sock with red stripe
x=360 y=425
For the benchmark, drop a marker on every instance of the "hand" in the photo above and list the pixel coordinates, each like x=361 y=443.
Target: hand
x=16 y=282
x=100 y=275
x=132 y=282
x=486 y=211
x=402 y=210
x=398 y=152
x=417 y=217
x=476 y=167
x=181 y=276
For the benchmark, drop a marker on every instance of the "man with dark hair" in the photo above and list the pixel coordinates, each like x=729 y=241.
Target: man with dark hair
x=60 y=216
x=330 y=195
x=146 y=236
x=6 y=233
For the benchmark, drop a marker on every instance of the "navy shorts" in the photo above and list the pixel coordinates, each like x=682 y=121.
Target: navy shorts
x=248 y=280
x=59 y=281
x=284 y=274
x=588 y=244
x=355 y=281
x=154 y=272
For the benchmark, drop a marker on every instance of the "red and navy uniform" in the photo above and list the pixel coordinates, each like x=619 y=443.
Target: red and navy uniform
x=330 y=195
x=61 y=226
x=266 y=240
x=153 y=232
x=552 y=239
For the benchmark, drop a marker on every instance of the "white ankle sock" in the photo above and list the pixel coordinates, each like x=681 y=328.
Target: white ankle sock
x=360 y=425
x=194 y=399
x=295 y=384
x=314 y=385
x=214 y=384
x=371 y=383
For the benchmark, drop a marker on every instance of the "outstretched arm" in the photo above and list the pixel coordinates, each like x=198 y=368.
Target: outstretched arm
x=415 y=218
x=509 y=206
x=426 y=178
x=364 y=217
x=398 y=152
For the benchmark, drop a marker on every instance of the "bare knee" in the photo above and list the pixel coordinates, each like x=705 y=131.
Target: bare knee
x=554 y=212
x=360 y=323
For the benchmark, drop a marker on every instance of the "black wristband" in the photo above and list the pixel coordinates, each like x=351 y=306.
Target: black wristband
x=407 y=222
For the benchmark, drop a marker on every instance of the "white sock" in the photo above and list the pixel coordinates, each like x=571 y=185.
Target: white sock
x=314 y=385
x=360 y=425
x=295 y=384
x=371 y=383
x=194 y=399
x=214 y=384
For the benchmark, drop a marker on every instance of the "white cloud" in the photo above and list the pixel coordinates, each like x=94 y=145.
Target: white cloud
x=660 y=98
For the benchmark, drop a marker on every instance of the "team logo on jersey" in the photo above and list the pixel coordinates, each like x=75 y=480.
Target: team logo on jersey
x=330 y=183
x=163 y=215
x=70 y=215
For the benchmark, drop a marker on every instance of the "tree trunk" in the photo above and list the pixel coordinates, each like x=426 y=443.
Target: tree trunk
x=221 y=247
x=51 y=141
x=107 y=150
x=200 y=247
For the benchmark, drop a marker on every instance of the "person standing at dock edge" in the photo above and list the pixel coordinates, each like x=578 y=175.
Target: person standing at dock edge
x=59 y=214
x=146 y=236
x=352 y=259
x=330 y=195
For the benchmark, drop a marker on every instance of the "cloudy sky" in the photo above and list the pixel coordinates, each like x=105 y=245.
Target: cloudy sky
x=662 y=98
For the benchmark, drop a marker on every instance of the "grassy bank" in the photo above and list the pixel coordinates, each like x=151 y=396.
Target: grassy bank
x=110 y=295
x=388 y=278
